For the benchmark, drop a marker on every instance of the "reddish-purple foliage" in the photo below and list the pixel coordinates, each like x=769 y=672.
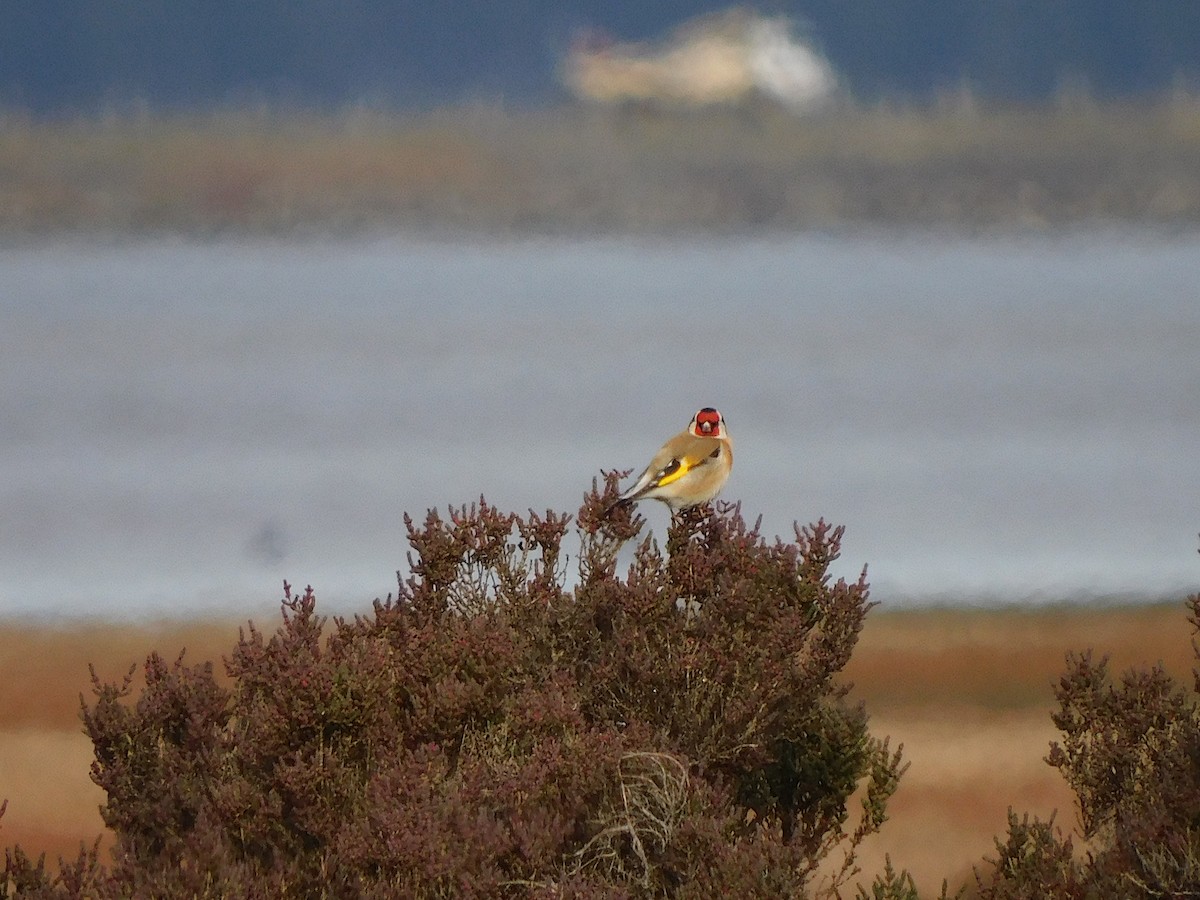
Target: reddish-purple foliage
x=1131 y=754
x=487 y=732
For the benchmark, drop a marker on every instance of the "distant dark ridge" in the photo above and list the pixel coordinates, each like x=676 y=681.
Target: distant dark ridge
x=84 y=55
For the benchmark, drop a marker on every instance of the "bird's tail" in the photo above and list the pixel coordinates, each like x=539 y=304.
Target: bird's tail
x=619 y=502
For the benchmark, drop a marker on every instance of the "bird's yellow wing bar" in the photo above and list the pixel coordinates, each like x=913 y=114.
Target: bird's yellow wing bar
x=673 y=471
x=681 y=465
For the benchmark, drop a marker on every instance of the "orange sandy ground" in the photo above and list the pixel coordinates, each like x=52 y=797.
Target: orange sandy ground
x=968 y=693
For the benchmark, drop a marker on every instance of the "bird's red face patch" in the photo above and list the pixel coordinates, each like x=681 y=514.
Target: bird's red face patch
x=708 y=422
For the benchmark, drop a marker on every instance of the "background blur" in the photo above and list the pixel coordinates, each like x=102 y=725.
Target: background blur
x=273 y=274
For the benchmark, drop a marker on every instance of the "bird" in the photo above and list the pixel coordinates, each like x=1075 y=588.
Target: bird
x=690 y=469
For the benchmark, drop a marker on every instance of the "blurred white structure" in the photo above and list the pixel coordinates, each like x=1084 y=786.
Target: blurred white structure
x=722 y=58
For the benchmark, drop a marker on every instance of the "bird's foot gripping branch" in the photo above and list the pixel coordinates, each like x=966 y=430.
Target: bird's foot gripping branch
x=678 y=729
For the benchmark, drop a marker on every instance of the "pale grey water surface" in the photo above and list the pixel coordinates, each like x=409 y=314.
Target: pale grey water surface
x=185 y=424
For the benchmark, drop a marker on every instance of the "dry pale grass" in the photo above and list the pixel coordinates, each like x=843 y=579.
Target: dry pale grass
x=931 y=661
x=53 y=806
x=967 y=770
x=44 y=670
x=45 y=758
x=968 y=693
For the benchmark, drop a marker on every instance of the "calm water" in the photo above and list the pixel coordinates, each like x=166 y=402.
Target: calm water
x=183 y=425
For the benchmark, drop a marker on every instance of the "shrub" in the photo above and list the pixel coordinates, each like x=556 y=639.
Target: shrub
x=1131 y=754
x=490 y=732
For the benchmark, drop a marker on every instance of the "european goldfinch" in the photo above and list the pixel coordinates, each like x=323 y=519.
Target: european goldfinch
x=691 y=467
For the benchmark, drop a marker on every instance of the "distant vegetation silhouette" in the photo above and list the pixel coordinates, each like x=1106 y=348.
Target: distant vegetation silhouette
x=961 y=163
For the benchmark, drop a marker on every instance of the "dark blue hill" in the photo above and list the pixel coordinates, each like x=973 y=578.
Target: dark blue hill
x=82 y=54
